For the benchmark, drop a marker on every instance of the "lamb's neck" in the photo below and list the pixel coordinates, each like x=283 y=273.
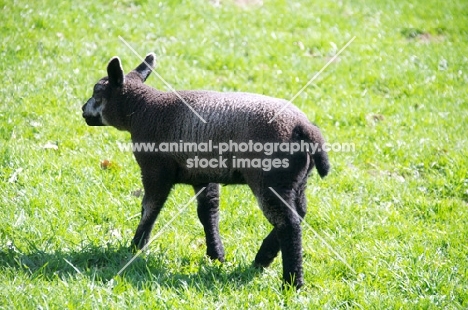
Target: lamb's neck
x=136 y=106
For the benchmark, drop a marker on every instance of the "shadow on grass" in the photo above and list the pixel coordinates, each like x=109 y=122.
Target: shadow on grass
x=103 y=264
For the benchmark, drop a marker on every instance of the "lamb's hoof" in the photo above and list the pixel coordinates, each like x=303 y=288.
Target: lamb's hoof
x=259 y=266
x=133 y=248
x=262 y=263
x=137 y=246
x=216 y=256
x=292 y=284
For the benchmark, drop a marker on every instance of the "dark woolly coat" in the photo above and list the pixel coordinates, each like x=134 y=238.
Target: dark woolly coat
x=153 y=116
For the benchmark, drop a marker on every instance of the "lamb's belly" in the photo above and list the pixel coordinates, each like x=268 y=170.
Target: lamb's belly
x=200 y=175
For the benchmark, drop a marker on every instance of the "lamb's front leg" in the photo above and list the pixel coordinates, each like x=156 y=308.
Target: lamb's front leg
x=156 y=192
x=208 y=213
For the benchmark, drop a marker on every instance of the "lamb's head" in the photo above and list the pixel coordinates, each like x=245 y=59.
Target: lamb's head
x=105 y=107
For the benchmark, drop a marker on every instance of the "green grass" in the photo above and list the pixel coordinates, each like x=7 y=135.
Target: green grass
x=396 y=209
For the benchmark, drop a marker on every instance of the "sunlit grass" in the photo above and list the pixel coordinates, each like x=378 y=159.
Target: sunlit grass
x=395 y=209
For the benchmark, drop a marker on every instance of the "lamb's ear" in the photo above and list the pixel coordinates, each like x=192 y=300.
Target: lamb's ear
x=144 y=69
x=115 y=72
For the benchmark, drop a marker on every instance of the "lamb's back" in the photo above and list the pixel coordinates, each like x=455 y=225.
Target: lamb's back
x=231 y=116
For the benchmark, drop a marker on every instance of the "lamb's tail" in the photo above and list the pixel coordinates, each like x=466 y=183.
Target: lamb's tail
x=317 y=151
x=321 y=162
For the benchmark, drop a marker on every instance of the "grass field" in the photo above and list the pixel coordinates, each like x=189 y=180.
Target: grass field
x=395 y=209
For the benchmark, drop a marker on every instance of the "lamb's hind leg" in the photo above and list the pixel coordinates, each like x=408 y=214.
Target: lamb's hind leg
x=268 y=251
x=287 y=227
x=208 y=213
x=270 y=245
x=156 y=192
